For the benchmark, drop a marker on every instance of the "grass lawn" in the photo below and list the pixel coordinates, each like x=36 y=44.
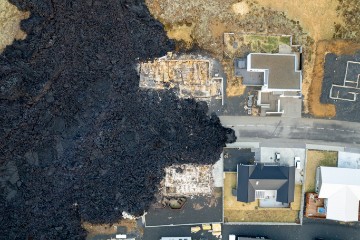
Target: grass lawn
x=296 y=205
x=268 y=44
x=230 y=202
x=314 y=159
x=285 y=40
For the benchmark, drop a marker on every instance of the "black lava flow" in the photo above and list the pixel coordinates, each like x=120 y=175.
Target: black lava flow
x=79 y=141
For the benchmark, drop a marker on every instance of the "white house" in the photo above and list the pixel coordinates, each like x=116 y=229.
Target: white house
x=341 y=189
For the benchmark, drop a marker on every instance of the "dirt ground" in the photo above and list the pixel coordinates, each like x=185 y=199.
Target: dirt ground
x=308 y=21
x=208 y=20
x=205 y=22
x=306 y=11
x=245 y=43
x=279 y=215
x=96 y=229
x=314 y=87
x=181 y=33
x=315 y=159
x=10 y=18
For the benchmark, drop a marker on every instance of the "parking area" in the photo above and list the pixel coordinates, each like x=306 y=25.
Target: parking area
x=287 y=157
x=291 y=107
x=234 y=156
x=197 y=209
x=349 y=160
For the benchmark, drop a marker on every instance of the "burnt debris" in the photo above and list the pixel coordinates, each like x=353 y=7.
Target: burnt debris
x=79 y=141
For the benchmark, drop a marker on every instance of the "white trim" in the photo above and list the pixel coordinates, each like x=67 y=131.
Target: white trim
x=266 y=71
x=346 y=87
x=279 y=90
x=344 y=99
x=262 y=223
x=269 y=113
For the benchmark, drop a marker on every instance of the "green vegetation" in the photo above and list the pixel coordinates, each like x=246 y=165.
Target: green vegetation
x=267 y=44
x=285 y=40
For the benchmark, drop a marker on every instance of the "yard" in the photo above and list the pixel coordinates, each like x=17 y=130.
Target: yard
x=267 y=44
x=238 y=45
x=235 y=211
x=316 y=158
x=123 y=226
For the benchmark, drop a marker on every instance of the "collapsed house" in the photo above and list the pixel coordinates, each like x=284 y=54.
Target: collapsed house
x=190 y=77
x=188 y=180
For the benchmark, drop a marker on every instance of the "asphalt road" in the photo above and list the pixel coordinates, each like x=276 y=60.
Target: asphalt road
x=291 y=132
x=328 y=230
x=325 y=229
x=301 y=129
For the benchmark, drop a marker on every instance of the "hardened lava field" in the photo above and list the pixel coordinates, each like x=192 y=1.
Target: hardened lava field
x=79 y=141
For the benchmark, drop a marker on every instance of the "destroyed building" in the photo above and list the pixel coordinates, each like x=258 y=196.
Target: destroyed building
x=79 y=141
x=190 y=77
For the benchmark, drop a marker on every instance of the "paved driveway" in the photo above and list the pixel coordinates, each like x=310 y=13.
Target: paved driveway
x=328 y=230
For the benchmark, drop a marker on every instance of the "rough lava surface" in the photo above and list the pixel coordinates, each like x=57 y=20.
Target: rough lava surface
x=79 y=141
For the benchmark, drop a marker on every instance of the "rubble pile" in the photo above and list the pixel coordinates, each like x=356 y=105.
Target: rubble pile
x=188 y=180
x=190 y=76
x=79 y=141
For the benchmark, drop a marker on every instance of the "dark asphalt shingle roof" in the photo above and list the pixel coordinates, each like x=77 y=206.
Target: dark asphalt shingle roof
x=260 y=177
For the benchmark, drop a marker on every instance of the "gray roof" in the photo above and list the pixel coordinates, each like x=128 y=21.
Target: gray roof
x=248 y=78
x=261 y=177
x=281 y=74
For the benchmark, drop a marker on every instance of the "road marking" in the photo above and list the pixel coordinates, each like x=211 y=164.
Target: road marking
x=330 y=129
x=320 y=128
x=261 y=125
x=250 y=125
x=341 y=130
x=350 y=131
x=240 y=125
x=300 y=127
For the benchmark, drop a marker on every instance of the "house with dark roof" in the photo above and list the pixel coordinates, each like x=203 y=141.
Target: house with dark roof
x=253 y=181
